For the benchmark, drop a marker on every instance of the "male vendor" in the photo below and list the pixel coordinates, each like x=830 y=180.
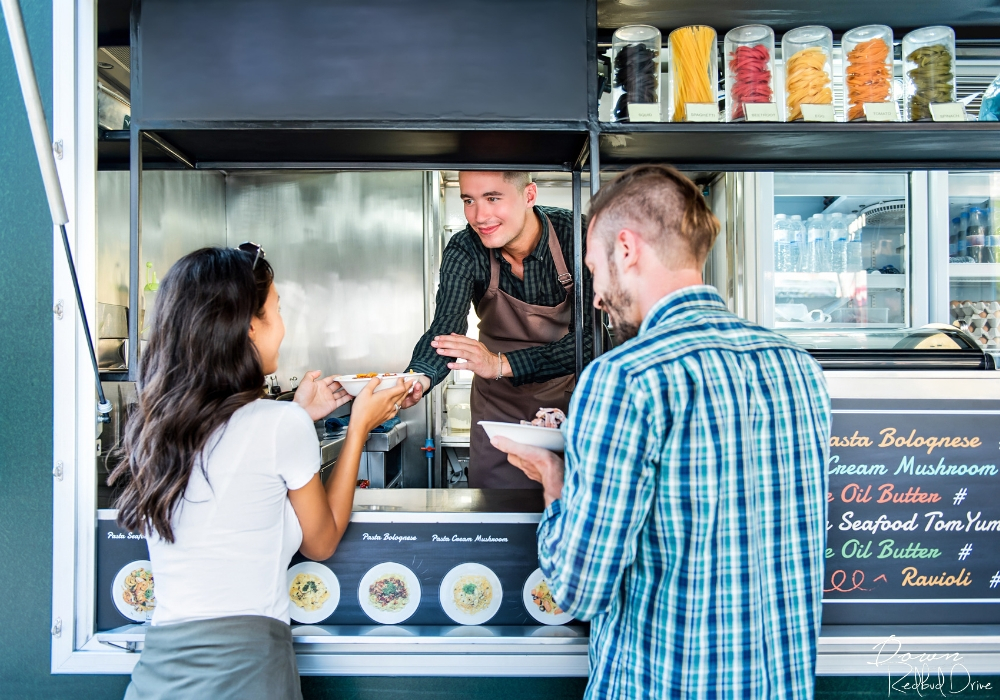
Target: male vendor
x=512 y=262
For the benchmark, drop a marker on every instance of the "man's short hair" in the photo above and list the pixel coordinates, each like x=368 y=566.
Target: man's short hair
x=664 y=207
x=519 y=179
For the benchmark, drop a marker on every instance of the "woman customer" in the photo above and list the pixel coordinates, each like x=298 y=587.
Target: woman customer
x=225 y=485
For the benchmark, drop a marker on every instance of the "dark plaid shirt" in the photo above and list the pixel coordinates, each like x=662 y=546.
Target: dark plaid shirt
x=465 y=277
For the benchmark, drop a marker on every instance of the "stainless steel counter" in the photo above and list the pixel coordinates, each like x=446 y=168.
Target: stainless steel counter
x=331 y=443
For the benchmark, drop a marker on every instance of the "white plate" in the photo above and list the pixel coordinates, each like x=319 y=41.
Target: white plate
x=329 y=579
x=545 y=618
x=355 y=386
x=447 y=596
x=386 y=617
x=547 y=438
x=118 y=588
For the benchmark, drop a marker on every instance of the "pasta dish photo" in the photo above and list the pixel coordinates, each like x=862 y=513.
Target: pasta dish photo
x=473 y=594
x=309 y=592
x=542 y=597
x=138 y=590
x=388 y=593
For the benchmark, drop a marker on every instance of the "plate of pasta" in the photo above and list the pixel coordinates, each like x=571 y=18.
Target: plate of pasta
x=132 y=590
x=313 y=592
x=539 y=603
x=389 y=593
x=471 y=594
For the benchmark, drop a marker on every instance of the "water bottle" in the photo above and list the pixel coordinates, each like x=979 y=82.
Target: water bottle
x=797 y=239
x=817 y=245
x=839 y=236
x=782 y=252
x=855 y=253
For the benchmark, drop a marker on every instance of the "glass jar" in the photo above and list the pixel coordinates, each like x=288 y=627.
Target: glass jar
x=928 y=70
x=694 y=71
x=808 y=56
x=867 y=69
x=635 y=71
x=749 y=59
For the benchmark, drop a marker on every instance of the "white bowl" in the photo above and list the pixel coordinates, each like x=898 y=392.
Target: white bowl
x=355 y=385
x=547 y=438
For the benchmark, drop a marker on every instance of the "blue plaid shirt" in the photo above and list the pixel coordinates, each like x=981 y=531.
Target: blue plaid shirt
x=692 y=524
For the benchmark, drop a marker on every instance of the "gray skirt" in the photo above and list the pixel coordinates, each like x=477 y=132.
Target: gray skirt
x=245 y=657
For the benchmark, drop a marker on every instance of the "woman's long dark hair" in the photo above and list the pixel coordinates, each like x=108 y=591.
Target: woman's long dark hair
x=199 y=367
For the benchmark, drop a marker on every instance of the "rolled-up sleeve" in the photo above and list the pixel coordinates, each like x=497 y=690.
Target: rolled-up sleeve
x=588 y=538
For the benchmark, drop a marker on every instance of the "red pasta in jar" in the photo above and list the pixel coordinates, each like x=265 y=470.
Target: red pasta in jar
x=750 y=70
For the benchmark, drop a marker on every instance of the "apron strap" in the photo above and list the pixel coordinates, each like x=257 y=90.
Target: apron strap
x=565 y=278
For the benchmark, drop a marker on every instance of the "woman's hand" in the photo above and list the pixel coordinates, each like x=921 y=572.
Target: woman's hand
x=320 y=397
x=371 y=410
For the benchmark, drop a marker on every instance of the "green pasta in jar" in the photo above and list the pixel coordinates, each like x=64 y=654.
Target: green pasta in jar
x=929 y=67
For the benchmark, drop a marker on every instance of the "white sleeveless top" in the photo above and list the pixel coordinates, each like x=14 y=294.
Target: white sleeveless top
x=235 y=534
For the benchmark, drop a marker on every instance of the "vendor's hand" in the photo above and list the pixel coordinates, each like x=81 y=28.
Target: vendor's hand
x=420 y=387
x=371 y=409
x=320 y=397
x=539 y=465
x=477 y=358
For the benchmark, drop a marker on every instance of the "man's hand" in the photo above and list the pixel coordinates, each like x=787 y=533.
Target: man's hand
x=477 y=358
x=420 y=387
x=320 y=397
x=539 y=465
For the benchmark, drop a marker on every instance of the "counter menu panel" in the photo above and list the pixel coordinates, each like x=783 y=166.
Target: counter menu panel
x=913 y=528
x=431 y=552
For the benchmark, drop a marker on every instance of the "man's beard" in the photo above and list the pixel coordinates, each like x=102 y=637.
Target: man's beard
x=617 y=303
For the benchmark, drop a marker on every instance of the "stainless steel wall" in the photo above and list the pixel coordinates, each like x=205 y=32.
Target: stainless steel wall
x=347 y=249
x=182 y=210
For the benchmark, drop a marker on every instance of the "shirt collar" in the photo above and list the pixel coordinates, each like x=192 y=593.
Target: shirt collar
x=682 y=301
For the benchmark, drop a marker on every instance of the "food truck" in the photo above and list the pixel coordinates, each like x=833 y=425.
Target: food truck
x=332 y=134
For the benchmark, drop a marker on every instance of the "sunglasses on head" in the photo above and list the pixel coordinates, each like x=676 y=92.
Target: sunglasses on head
x=252 y=249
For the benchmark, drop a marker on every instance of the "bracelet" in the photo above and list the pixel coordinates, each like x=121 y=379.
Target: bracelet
x=499 y=367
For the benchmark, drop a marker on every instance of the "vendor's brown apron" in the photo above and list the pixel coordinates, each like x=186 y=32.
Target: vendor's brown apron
x=507 y=324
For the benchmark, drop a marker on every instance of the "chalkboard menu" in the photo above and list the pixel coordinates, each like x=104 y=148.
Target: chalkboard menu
x=913 y=523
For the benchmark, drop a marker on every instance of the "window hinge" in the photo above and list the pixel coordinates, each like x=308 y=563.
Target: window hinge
x=57 y=148
x=57 y=472
x=57 y=627
x=58 y=309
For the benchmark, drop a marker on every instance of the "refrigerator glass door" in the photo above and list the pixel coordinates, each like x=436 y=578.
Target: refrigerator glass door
x=835 y=250
x=974 y=255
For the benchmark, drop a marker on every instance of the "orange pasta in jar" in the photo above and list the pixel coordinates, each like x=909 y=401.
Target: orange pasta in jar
x=867 y=68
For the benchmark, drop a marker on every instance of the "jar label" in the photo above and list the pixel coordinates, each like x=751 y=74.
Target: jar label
x=762 y=112
x=698 y=112
x=644 y=112
x=948 y=112
x=881 y=112
x=817 y=113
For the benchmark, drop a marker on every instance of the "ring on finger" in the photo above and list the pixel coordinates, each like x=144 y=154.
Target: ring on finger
x=397 y=406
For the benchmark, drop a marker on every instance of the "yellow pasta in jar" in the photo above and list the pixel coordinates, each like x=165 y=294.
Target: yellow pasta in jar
x=691 y=66
x=807 y=81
